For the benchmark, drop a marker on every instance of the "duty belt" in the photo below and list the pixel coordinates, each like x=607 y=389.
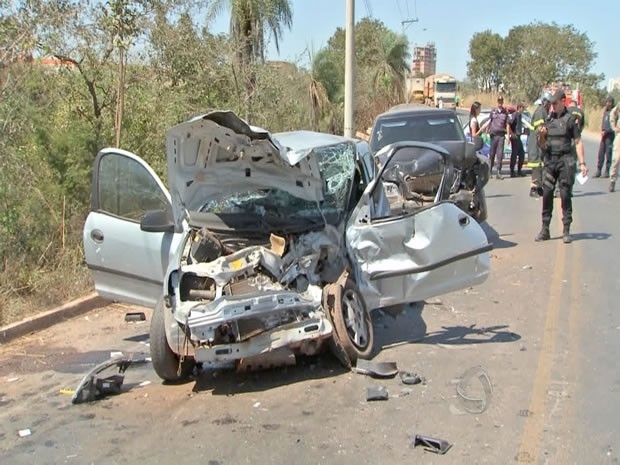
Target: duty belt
x=554 y=155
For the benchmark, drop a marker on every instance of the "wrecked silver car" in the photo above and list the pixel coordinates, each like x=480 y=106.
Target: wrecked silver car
x=270 y=245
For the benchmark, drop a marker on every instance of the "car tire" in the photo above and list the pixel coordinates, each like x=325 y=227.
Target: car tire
x=352 y=321
x=165 y=360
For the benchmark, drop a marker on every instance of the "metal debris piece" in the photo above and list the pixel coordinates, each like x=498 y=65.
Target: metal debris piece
x=437 y=446
x=92 y=387
x=135 y=316
x=409 y=378
x=376 y=393
x=24 y=432
x=376 y=369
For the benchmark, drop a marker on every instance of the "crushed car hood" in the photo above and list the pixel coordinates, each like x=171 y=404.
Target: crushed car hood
x=218 y=154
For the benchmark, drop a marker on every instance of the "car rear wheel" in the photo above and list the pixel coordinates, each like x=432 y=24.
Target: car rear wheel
x=165 y=360
x=352 y=321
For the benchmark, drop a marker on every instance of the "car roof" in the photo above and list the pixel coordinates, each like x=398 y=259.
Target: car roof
x=415 y=108
x=304 y=140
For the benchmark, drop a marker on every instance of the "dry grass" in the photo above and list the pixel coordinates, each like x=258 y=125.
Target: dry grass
x=24 y=293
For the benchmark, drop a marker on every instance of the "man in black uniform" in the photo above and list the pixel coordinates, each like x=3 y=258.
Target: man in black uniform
x=534 y=156
x=557 y=136
x=518 y=153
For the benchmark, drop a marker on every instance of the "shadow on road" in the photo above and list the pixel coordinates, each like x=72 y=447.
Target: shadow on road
x=409 y=327
x=591 y=236
x=228 y=383
x=498 y=196
x=588 y=194
x=495 y=238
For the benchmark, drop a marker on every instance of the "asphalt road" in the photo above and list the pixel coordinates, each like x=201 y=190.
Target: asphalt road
x=543 y=327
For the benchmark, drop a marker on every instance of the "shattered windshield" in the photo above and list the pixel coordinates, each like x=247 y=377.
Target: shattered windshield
x=277 y=206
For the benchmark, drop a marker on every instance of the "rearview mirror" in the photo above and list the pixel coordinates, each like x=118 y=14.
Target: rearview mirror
x=157 y=221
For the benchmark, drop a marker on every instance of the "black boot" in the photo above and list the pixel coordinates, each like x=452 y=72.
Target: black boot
x=566 y=237
x=543 y=235
x=597 y=174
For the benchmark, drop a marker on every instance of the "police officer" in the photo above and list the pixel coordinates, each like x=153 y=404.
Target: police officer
x=516 y=145
x=557 y=135
x=498 y=127
x=534 y=156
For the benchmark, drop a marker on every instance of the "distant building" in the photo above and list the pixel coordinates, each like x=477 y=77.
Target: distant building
x=613 y=85
x=424 y=60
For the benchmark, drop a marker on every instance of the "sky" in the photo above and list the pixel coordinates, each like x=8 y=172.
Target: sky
x=450 y=24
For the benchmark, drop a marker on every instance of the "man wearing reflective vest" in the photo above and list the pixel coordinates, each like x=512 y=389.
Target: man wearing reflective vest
x=534 y=156
x=556 y=137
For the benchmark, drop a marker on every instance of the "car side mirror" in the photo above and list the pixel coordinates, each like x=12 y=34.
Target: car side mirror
x=157 y=221
x=478 y=143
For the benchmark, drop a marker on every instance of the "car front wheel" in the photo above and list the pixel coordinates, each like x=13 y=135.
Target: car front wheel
x=166 y=362
x=352 y=321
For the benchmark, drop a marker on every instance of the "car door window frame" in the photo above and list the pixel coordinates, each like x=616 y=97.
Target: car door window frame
x=375 y=188
x=156 y=186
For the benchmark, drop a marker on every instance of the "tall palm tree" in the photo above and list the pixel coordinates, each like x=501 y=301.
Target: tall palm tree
x=392 y=66
x=319 y=98
x=250 y=22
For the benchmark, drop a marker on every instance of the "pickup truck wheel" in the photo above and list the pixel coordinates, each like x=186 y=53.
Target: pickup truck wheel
x=352 y=321
x=165 y=360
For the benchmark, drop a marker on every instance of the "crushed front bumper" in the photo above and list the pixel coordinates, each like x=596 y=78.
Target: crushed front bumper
x=306 y=335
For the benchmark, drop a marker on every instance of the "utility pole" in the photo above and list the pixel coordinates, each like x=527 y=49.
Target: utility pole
x=349 y=70
x=408 y=21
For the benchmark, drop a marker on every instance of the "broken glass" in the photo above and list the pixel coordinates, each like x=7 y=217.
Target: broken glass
x=337 y=165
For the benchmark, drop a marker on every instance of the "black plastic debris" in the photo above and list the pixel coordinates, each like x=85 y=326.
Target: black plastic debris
x=376 y=369
x=94 y=387
x=409 y=378
x=376 y=393
x=135 y=316
x=437 y=446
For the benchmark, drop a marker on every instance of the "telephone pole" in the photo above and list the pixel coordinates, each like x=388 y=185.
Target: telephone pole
x=349 y=70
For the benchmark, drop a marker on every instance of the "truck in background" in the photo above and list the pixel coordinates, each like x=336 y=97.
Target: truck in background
x=440 y=87
x=415 y=90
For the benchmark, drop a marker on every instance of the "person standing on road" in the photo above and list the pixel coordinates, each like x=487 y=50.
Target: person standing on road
x=474 y=124
x=556 y=138
x=498 y=127
x=607 y=140
x=580 y=119
x=614 y=119
x=518 y=152
x=534 y=153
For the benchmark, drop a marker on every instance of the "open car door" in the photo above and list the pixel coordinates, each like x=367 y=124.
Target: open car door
x=408 y=242
x=129 y=233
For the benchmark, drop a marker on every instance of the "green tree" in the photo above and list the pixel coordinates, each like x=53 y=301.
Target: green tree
x=250 y=23
x=485 y=68
x=531 y=56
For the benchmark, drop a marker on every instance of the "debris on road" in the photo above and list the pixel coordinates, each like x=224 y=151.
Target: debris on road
x=410 y=378
x=437 y=446
x=135 y=316
x=528 y=267
x=474 y=404
x=12 y=380
x=376 y=393
x=376 y=369
x=24 y=433
x=92 y=387
x=144 y=383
